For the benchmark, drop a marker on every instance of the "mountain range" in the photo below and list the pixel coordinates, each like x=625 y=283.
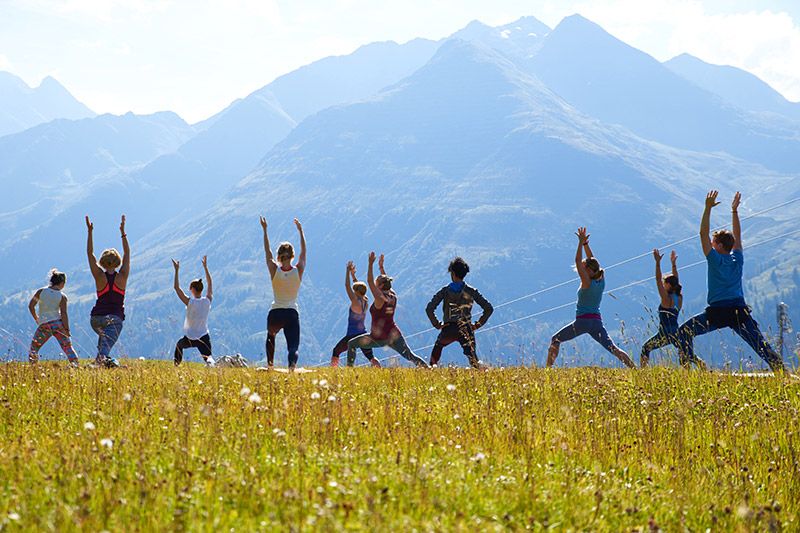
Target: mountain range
x=493 y=144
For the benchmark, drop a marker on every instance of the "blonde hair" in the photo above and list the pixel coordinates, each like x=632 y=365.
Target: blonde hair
x=110 y=259
x=359 y=287
x=384 y=282
x=285 y=248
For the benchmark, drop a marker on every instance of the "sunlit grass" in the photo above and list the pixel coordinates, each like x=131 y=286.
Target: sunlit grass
x=152 y=447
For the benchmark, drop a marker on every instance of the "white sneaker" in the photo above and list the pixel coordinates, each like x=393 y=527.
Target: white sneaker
x=210 y=363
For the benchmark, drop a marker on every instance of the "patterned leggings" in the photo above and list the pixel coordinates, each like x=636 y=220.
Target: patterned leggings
x=43 y=334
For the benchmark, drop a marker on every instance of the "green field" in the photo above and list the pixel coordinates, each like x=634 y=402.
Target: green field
x=152 y=447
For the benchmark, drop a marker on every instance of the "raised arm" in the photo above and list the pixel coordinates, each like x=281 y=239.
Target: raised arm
x=673 y=258
x=579 y=266
x=735 y=224
x=32 y=305
x=125 y=269
x=64 y=316
x=380 y=299
x=380 y=265
x=93 y=266
x=177 y=284
x=347 y=285
x=662 y=291
x=209 y=282
x=301 y=261
x=271 y=265
x=705 y=222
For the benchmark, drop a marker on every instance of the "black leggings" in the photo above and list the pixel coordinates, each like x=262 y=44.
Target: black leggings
x=287 y=320
x=203 y=344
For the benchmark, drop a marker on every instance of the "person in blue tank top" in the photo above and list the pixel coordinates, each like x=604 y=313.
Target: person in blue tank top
x=587 y=315
x=726 y=304
x=356 y=317
x=670 y=304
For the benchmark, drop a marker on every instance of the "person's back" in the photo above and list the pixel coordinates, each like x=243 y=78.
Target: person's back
x=589 y=299
x=285 y=288
x=49 y=305
x=196 y=323
x=383 y=325
x=725 y=278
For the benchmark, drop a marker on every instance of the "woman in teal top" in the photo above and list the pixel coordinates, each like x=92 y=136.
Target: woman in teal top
x=587 y=314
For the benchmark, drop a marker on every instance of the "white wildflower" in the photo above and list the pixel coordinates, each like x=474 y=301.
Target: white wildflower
x=245 y=392
x=315 y=395
x=331 y=398
x=13 y=516
x=480 y=456
x=108 y=443
x=126 y=397
x=254 y=398
x=451 y=387
x=88 y=426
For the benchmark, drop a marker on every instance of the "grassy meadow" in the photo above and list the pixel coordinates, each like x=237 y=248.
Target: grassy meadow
x=151 y=447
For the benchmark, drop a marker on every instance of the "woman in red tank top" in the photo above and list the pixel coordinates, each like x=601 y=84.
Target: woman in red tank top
x=384 y=331
x=108 y=313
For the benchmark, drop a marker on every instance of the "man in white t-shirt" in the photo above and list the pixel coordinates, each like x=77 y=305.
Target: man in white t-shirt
x=195 y=327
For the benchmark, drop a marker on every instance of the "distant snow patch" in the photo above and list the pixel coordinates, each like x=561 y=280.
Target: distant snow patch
x=505 y=34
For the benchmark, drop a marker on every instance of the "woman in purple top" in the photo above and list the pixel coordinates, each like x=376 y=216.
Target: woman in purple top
x=109 y=311
x=356 y=317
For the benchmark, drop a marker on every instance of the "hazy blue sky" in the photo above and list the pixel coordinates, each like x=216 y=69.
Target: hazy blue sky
x=194 y=57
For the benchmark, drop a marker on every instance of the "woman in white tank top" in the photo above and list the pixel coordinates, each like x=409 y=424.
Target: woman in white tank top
x=195 y=325
x=52 y=318
x=286 y=279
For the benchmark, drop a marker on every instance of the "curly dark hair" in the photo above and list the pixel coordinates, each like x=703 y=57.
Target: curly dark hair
x=459 y=268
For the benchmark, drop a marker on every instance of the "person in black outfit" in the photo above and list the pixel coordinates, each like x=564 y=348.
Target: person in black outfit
x=457 y=299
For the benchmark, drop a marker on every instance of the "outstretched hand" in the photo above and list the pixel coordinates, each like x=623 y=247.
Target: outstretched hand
x=176 y=264
x=380 y=262
x=711 y=199
x=351 y=267
x=372 y=258
x=263 y=222
x=89 y=225
x=583 y=237
x=737 y=199
x=657 y=255
x=204 y=261
x=122 y=226
x=673 y=257
x=299 y=225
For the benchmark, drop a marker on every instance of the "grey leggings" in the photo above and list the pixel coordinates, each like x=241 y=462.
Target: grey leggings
x=590 y=326
x=397 y=343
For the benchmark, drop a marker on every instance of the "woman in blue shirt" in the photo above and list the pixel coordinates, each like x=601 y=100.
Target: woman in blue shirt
x=587 y=315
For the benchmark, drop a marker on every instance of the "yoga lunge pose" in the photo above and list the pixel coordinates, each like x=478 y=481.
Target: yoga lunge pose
x=285 y=286
x=587 y=316
x=671 y=302
x=384 y=331
x=52 y=318
x=457 y=325
x=356 y=317
x=108 y=313
x=726 y=304
x=195 y=326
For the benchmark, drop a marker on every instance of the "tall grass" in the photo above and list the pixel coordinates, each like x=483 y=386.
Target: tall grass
x=151 y=447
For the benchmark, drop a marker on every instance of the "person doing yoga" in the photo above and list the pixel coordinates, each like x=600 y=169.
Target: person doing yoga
x=198 y=307
x=587 y=317
x=670 y=304
x=726 y=305
x=52 y=318
x=108 y=314
x=356 y=317
x=286 y=279
x=384 y=331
